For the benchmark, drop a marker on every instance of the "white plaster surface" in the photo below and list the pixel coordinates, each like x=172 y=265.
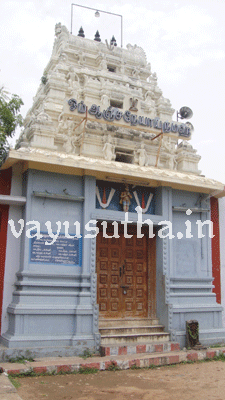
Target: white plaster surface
x=53 y=124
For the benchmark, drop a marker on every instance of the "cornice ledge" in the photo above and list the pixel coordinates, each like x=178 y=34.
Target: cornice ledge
x=111 y=167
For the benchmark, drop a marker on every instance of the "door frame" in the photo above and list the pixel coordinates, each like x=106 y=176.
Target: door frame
x=151 y=269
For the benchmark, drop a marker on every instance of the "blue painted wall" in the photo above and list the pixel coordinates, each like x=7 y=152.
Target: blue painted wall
x=54 y=306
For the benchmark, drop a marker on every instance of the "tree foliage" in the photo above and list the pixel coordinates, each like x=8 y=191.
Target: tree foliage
x=10 y=118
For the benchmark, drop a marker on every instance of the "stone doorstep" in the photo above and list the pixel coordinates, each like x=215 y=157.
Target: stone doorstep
x=115 y=350
x=127 y=322
x=132 y=339
x=70 y=364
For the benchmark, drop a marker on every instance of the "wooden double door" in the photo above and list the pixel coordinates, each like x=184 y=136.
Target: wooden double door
x=125 y=269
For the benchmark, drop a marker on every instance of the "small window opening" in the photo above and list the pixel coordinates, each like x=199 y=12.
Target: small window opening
x=116 y=104
x=124 y=156
x=111 y=68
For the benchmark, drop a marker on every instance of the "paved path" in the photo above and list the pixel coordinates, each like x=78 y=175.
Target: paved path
x=69 y=364
x=66 y=364
x=7 y=390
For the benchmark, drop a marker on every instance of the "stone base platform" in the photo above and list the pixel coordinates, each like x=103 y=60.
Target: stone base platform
x=71 y=364
x=115 y=350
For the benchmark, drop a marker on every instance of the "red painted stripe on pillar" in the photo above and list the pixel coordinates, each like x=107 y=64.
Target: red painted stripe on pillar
x=5 y=187
x=5 y=181
x=216 y=248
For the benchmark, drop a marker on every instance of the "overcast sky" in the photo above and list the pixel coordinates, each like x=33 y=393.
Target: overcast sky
x=184 y=41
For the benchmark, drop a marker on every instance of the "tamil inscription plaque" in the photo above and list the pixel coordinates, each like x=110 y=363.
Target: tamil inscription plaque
x=64 y=251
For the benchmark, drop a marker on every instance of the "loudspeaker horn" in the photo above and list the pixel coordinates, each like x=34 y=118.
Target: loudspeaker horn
x=186 y=112
x=190 y=126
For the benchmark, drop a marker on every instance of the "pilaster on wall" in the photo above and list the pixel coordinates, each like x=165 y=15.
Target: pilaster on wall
x=5 y=187
x=167 y=243
x=216 y=248
x=89 y=257
x=93 y=274
x=208 y=240
x=162 y=281
x=12 y=260
x=89 y=207
x=88 y=253
x=94 y=294
x=3 y=239
x=164 y=263
x=26 y=216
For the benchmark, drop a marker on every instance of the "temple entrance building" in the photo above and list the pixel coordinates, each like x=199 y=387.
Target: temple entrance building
x=108 y=240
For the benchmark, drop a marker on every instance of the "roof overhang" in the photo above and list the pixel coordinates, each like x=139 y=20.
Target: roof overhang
x=59 y=162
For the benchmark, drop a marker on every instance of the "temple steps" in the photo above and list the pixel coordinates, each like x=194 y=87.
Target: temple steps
x=121 y=336
x=114 y=322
